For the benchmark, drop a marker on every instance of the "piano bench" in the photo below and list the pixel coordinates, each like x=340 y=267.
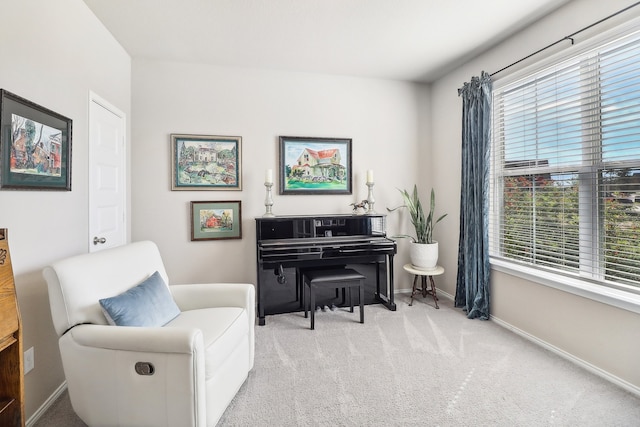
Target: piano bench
x=336 y=278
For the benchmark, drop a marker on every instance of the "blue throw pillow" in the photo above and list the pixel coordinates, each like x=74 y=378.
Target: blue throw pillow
x=148 y=304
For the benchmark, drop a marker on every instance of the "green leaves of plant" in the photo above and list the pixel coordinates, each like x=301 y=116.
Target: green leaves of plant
x=422 y=224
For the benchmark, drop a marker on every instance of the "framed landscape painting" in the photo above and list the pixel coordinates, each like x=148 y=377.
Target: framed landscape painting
x=216 y=220
x=315 y=165
x=206 y=162
x=35 y=146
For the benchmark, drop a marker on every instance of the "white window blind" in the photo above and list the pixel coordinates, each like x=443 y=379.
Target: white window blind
x=565 y=166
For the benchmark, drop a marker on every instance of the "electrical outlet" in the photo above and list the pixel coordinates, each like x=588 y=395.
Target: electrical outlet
x=29 y=360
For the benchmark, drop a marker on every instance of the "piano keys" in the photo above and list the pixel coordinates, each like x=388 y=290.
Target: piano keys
x=286 y=244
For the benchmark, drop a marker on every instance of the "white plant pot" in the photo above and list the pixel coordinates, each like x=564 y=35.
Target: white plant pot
x=424 y=256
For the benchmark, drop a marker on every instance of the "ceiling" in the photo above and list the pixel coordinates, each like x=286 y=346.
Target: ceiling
x=414 y=40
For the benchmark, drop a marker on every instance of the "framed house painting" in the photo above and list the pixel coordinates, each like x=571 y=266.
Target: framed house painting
x=315 y=165
x=35 y=146
x=216 y=220
x=206 y=162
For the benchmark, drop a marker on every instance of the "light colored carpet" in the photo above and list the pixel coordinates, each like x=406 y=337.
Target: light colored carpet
x=417 y=366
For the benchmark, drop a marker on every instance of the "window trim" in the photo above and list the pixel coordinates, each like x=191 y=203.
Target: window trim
x=604 y=294
x=624 y=299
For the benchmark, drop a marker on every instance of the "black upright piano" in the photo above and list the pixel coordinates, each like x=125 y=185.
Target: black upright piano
x=286 y=244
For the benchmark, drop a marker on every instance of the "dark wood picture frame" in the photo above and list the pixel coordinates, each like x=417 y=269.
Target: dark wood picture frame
x=216 y=220
x=35 y=146
x=311 y=165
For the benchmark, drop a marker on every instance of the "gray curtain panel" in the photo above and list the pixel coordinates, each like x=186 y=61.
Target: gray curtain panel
x=472 y=287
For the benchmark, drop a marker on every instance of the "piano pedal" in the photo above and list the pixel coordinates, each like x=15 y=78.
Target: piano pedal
x=279 y=272
x=333 y=307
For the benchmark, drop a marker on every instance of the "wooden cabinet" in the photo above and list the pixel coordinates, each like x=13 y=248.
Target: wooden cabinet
x=11 y=363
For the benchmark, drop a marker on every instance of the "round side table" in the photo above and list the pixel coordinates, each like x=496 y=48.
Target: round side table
x=423 y=274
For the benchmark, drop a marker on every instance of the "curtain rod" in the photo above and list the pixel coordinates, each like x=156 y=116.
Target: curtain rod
x=569 y=37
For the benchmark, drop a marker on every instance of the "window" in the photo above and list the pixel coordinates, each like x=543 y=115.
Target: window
x=565 y=192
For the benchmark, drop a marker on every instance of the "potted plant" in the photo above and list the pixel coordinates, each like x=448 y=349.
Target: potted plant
x=423 y=250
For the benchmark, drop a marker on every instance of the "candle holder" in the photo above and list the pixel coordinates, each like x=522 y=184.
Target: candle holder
x=268 y=200
x=370 y=200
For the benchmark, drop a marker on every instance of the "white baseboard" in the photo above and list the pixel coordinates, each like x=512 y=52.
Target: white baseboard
x=439 y=292
x=565 y=355
x=570 y=357
x=46 y=405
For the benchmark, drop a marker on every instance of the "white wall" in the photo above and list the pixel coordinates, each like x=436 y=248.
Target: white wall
x=53 y=54
x=382 y=117
x=66 y=52
x=600 y=335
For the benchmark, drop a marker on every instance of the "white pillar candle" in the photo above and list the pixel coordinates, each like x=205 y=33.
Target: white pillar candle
x=268 y=176
x=370 y=175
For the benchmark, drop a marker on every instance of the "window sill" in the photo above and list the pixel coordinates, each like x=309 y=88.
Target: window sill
x=618 y=298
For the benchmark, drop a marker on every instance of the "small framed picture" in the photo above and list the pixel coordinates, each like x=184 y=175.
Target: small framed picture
x=35 y=146
x=315 y=165
x=216 y=220
x=206 y=162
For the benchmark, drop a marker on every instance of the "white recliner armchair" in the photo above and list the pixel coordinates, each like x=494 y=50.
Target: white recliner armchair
x=184 y=373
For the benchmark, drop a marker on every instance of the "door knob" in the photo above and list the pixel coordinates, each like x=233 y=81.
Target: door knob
x=97 y=240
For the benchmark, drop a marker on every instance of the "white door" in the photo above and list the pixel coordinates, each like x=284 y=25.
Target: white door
x=107 y=166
